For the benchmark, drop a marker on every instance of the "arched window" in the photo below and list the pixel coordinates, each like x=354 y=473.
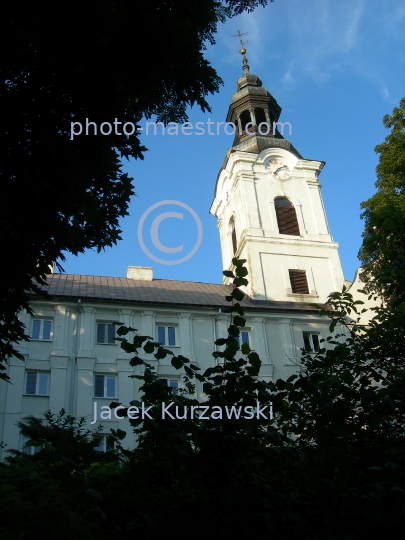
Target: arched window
x=260 y=116
x=233 y=236
x=244 y=119
x=286 y=217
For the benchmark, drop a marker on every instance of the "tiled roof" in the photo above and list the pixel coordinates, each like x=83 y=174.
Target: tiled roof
x=156 y=291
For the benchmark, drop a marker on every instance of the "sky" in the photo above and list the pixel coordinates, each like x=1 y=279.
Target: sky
x=335 y=67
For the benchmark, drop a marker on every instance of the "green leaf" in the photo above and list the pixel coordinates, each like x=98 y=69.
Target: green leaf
x=239 y=321
x=239 y=282
x=114 y=404
x=122 y=331
x=160 y=353
x=149 y=347
x=136 y=361
x=238 y=295
x=241 y=271
x=245 y=348
x=177 y=362
x=189 y=371
x=233 y=330
x=228 y=273
x=238 y=262
x=121 y=434
x=254 y=359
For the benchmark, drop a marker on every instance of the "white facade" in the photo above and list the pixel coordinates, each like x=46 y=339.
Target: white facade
x=72 y=361
x=245 y=195
x=276 y=335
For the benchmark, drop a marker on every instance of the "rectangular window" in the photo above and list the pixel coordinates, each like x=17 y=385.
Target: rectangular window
x=311 y=342
x=243 y=338
x=166 y=335
x=26 y=448
x=172 y=383
x=106 y=333
x=41 y=329
x=299 y=283
x=106 y=444
x=36 y=383
x=104 y=386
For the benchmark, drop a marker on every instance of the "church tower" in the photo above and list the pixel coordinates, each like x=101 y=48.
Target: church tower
x=269 y=207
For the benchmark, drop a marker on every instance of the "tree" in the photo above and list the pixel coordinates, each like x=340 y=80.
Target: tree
x=216 y=465
x=383 y=250
x=102 y=62
x=346 y=413
x=51 y=494
x=330 y=464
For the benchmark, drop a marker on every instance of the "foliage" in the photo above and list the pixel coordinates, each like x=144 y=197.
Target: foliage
x=329 y=465
x=346 y=412
x=206 y=466
x=51 y=494
x=71 y=61
x=383 y=250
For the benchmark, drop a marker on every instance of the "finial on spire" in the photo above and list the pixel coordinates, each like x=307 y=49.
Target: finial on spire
x=242 y=50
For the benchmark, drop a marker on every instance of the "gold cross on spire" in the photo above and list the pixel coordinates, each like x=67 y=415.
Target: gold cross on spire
x=239 y=35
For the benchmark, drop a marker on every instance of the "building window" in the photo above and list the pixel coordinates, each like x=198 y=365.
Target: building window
x=233 y=236
x=106 y=333
x=245 y=118
x=286 y=217
x=311 y=342
x=242 y=338
x=166 y=335
x=172 y=383
x=260 y=116
x=104 y=386
x=299 y=283
x=26 y=448
x=41 y=329
x=36 y=383
x=106 y=444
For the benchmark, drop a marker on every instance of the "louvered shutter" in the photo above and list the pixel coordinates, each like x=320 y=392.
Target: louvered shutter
x=286 y=217
x=299 y=283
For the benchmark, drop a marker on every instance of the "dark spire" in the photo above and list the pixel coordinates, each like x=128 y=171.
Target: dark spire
x=245 y=65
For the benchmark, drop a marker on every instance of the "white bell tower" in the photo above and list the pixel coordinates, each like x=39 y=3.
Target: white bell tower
x=269 y=207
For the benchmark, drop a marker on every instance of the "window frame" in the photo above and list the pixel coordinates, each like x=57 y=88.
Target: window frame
x=106 y=333
x=37 y=383
x=241 y=332
x=169 y=380
x=105 y=395
x=103 y=445
x=42 y=321
x=285 y=221
x=28 y=450
x=314 y=347
x=166 y=327
x=296 y=271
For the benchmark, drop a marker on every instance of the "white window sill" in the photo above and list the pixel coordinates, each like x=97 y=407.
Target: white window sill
x=310 y=295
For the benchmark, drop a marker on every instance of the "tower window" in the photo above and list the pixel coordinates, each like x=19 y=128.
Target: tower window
x=286 y=217
x=245 y=119
x=260 y=116
x=299 y=283
x=233 y=236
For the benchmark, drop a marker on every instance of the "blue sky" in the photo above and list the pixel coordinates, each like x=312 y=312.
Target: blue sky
x=335 y=68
